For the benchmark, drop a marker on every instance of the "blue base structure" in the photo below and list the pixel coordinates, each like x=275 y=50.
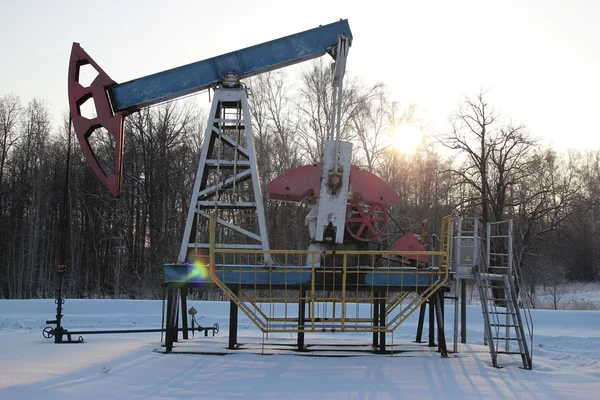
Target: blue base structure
x=302 y=285
x=297 y=276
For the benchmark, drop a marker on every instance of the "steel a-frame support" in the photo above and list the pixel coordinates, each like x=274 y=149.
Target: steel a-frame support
x=227 y=183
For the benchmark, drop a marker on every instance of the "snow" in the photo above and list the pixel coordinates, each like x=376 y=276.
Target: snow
x=125 y=366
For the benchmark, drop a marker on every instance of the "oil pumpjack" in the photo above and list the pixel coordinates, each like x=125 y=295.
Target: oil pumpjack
x=226 y=217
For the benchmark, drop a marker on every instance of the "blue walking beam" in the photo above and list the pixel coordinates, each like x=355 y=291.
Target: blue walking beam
x=201 y=75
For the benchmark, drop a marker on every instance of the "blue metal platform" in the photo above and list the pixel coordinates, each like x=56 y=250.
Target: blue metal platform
x=356 y=277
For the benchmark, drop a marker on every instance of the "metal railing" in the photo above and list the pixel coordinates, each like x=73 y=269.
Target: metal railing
x=335 y=286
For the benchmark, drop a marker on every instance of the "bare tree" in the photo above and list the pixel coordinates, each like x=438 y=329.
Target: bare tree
x=374 y=124
x=472 y=137
x=275 y=125
x=10 y=109
x=509 y=177
x=314 y=103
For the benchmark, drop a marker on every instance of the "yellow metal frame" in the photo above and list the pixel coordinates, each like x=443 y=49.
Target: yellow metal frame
x=332 y=307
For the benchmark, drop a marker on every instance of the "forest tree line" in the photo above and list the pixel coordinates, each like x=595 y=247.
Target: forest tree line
x=482 y=165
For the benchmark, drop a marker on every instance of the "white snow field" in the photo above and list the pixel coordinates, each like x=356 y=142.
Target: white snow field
x=125 y=366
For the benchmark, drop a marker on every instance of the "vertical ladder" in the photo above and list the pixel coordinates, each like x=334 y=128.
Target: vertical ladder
x=227 y=184
x=503 y=322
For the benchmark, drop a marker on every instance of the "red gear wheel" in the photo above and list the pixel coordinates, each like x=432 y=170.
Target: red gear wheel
x=366 y=221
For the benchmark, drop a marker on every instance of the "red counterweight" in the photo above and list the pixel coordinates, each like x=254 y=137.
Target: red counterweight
x=366 y=215
x=105 y=118
x=302 y=182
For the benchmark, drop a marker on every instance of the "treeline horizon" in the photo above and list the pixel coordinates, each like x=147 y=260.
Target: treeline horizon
x=483 y=165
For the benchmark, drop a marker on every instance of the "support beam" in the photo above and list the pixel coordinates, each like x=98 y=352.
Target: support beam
x=233 y=322
x=162 y=318
x=421 y=322
x=301 y=319
x=376 y=320
x=382 y=325
x=439 y=308
x=176 y=327
x=463 y=313
x=457 y=289
x=442 y=301
x=184 y=321
x=431 y=302
x=171 y=332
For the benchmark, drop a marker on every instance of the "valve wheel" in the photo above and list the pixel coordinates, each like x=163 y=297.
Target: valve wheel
x=366 y=221
x=48 y=332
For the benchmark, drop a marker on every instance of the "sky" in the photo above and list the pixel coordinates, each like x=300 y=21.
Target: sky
x=539 y=60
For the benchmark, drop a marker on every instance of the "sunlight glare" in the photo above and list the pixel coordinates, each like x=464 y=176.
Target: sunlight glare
x=407 y=138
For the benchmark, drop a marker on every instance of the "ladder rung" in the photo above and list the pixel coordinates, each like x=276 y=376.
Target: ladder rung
x=229 y=120
x=498 y=236
x=226 y=204
x=227 y=246
x=509 y=352
x=505 y=325
x=492 y=276
x=499 y=312
x=506 y=338
x=228 y=163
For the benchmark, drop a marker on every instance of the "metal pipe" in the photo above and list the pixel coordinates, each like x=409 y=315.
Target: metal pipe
x=439 y=312
x=115 y=331
x=184 y=324
x=420 y=323
x=431 y=321
x=457 y=290
x=301 y=320
x=233 y=322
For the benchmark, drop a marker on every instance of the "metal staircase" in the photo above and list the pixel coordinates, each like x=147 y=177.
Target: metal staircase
x=504 y=321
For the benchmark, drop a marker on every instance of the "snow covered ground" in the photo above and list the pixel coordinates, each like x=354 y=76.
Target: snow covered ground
x=124 y=366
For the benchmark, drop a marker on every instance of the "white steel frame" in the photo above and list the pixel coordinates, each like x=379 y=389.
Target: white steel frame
x=205 y=198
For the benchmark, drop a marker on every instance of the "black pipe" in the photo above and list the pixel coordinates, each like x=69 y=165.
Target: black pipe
x=442 y=302
x=440 y=321
x=233 y=321
x=170 y=335
x=422 y=310
x=301 y=320
x=184 y=324
x=150 y=330
x=463 y=312
x=382 y=325
x=176 y=326
x=376 y=320
x=431 y=302
x=162 y=318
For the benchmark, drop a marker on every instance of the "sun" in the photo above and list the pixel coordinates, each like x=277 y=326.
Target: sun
x=407 y=138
